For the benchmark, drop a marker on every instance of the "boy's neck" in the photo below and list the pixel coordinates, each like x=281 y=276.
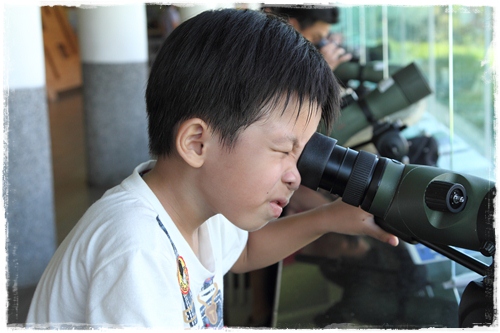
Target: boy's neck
x=170 y=183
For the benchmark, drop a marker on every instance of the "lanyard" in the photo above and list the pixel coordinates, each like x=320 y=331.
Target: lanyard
x=189 y=312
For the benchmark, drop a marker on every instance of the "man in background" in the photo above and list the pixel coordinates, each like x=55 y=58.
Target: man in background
x=314 y=24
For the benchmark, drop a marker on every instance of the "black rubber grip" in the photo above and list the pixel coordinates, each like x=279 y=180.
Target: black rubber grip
x=360 y=178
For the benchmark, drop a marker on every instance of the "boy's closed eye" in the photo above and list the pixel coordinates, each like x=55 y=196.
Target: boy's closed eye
x=282 y=151
x=285 y=145
x=285 y=149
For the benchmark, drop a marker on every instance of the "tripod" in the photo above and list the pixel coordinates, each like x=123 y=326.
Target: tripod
x=476 y=304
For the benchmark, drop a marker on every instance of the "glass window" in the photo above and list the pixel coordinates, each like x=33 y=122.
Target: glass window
x=460 y=111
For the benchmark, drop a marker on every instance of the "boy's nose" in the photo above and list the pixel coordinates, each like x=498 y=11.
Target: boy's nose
x=292 y=178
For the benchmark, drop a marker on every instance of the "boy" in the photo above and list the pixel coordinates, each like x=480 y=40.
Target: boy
x=232 y=99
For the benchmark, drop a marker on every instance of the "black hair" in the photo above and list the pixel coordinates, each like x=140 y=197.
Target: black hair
x=306 y=15
x=225 y=67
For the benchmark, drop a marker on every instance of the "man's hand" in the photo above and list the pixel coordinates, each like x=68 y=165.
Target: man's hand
x=334 y=54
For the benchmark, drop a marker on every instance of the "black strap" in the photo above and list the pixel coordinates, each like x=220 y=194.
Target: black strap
x=366 y=111
x=361 y=73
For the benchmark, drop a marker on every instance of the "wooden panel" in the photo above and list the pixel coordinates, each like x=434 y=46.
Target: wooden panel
x=62 y=57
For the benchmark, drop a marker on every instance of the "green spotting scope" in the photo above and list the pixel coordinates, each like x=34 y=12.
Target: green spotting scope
x=404 y=88
x=417 y=203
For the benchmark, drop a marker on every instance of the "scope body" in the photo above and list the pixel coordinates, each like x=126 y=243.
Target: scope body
x=403 y=203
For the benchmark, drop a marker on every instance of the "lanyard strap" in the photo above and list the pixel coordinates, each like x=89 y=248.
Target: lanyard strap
x=189 y=312
x=169 y=238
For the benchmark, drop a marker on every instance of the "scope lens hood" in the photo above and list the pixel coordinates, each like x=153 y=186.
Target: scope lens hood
x=412 y=83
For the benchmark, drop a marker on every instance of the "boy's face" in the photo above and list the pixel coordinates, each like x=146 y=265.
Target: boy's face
x=251 y=183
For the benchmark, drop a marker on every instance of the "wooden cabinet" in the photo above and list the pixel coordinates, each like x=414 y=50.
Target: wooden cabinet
x=62 y=57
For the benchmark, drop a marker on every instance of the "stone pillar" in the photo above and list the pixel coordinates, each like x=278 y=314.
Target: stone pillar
x=28 y=185
x=114 y=55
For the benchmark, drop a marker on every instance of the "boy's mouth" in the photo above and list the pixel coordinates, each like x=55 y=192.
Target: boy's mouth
x=281 y=202
x=277 y=206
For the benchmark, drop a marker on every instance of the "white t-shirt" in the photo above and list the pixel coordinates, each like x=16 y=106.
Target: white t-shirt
x=125 y=264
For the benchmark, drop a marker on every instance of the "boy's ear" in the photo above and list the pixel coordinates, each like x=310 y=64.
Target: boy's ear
x=191 y=140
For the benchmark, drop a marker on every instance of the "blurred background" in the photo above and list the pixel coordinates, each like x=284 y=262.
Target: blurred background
x=75 y=125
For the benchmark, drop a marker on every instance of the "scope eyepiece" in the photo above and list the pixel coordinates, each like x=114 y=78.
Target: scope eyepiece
x=340 y=170
x=321 y=43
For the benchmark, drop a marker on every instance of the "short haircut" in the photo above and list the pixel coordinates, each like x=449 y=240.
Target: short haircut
x=306 y=15
x=227 y=67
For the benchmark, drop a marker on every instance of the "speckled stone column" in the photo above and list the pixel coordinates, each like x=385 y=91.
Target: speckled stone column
x=28 y=183
x=113 y=46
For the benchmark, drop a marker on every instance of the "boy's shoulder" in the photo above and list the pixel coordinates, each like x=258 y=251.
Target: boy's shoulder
x=131 y=197
x=125 y=214
x=127 y=201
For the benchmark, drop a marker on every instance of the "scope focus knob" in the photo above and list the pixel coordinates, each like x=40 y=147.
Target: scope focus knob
x=445 y=197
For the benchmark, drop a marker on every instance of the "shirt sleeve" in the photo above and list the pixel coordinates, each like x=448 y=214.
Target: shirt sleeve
x=135 y=289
